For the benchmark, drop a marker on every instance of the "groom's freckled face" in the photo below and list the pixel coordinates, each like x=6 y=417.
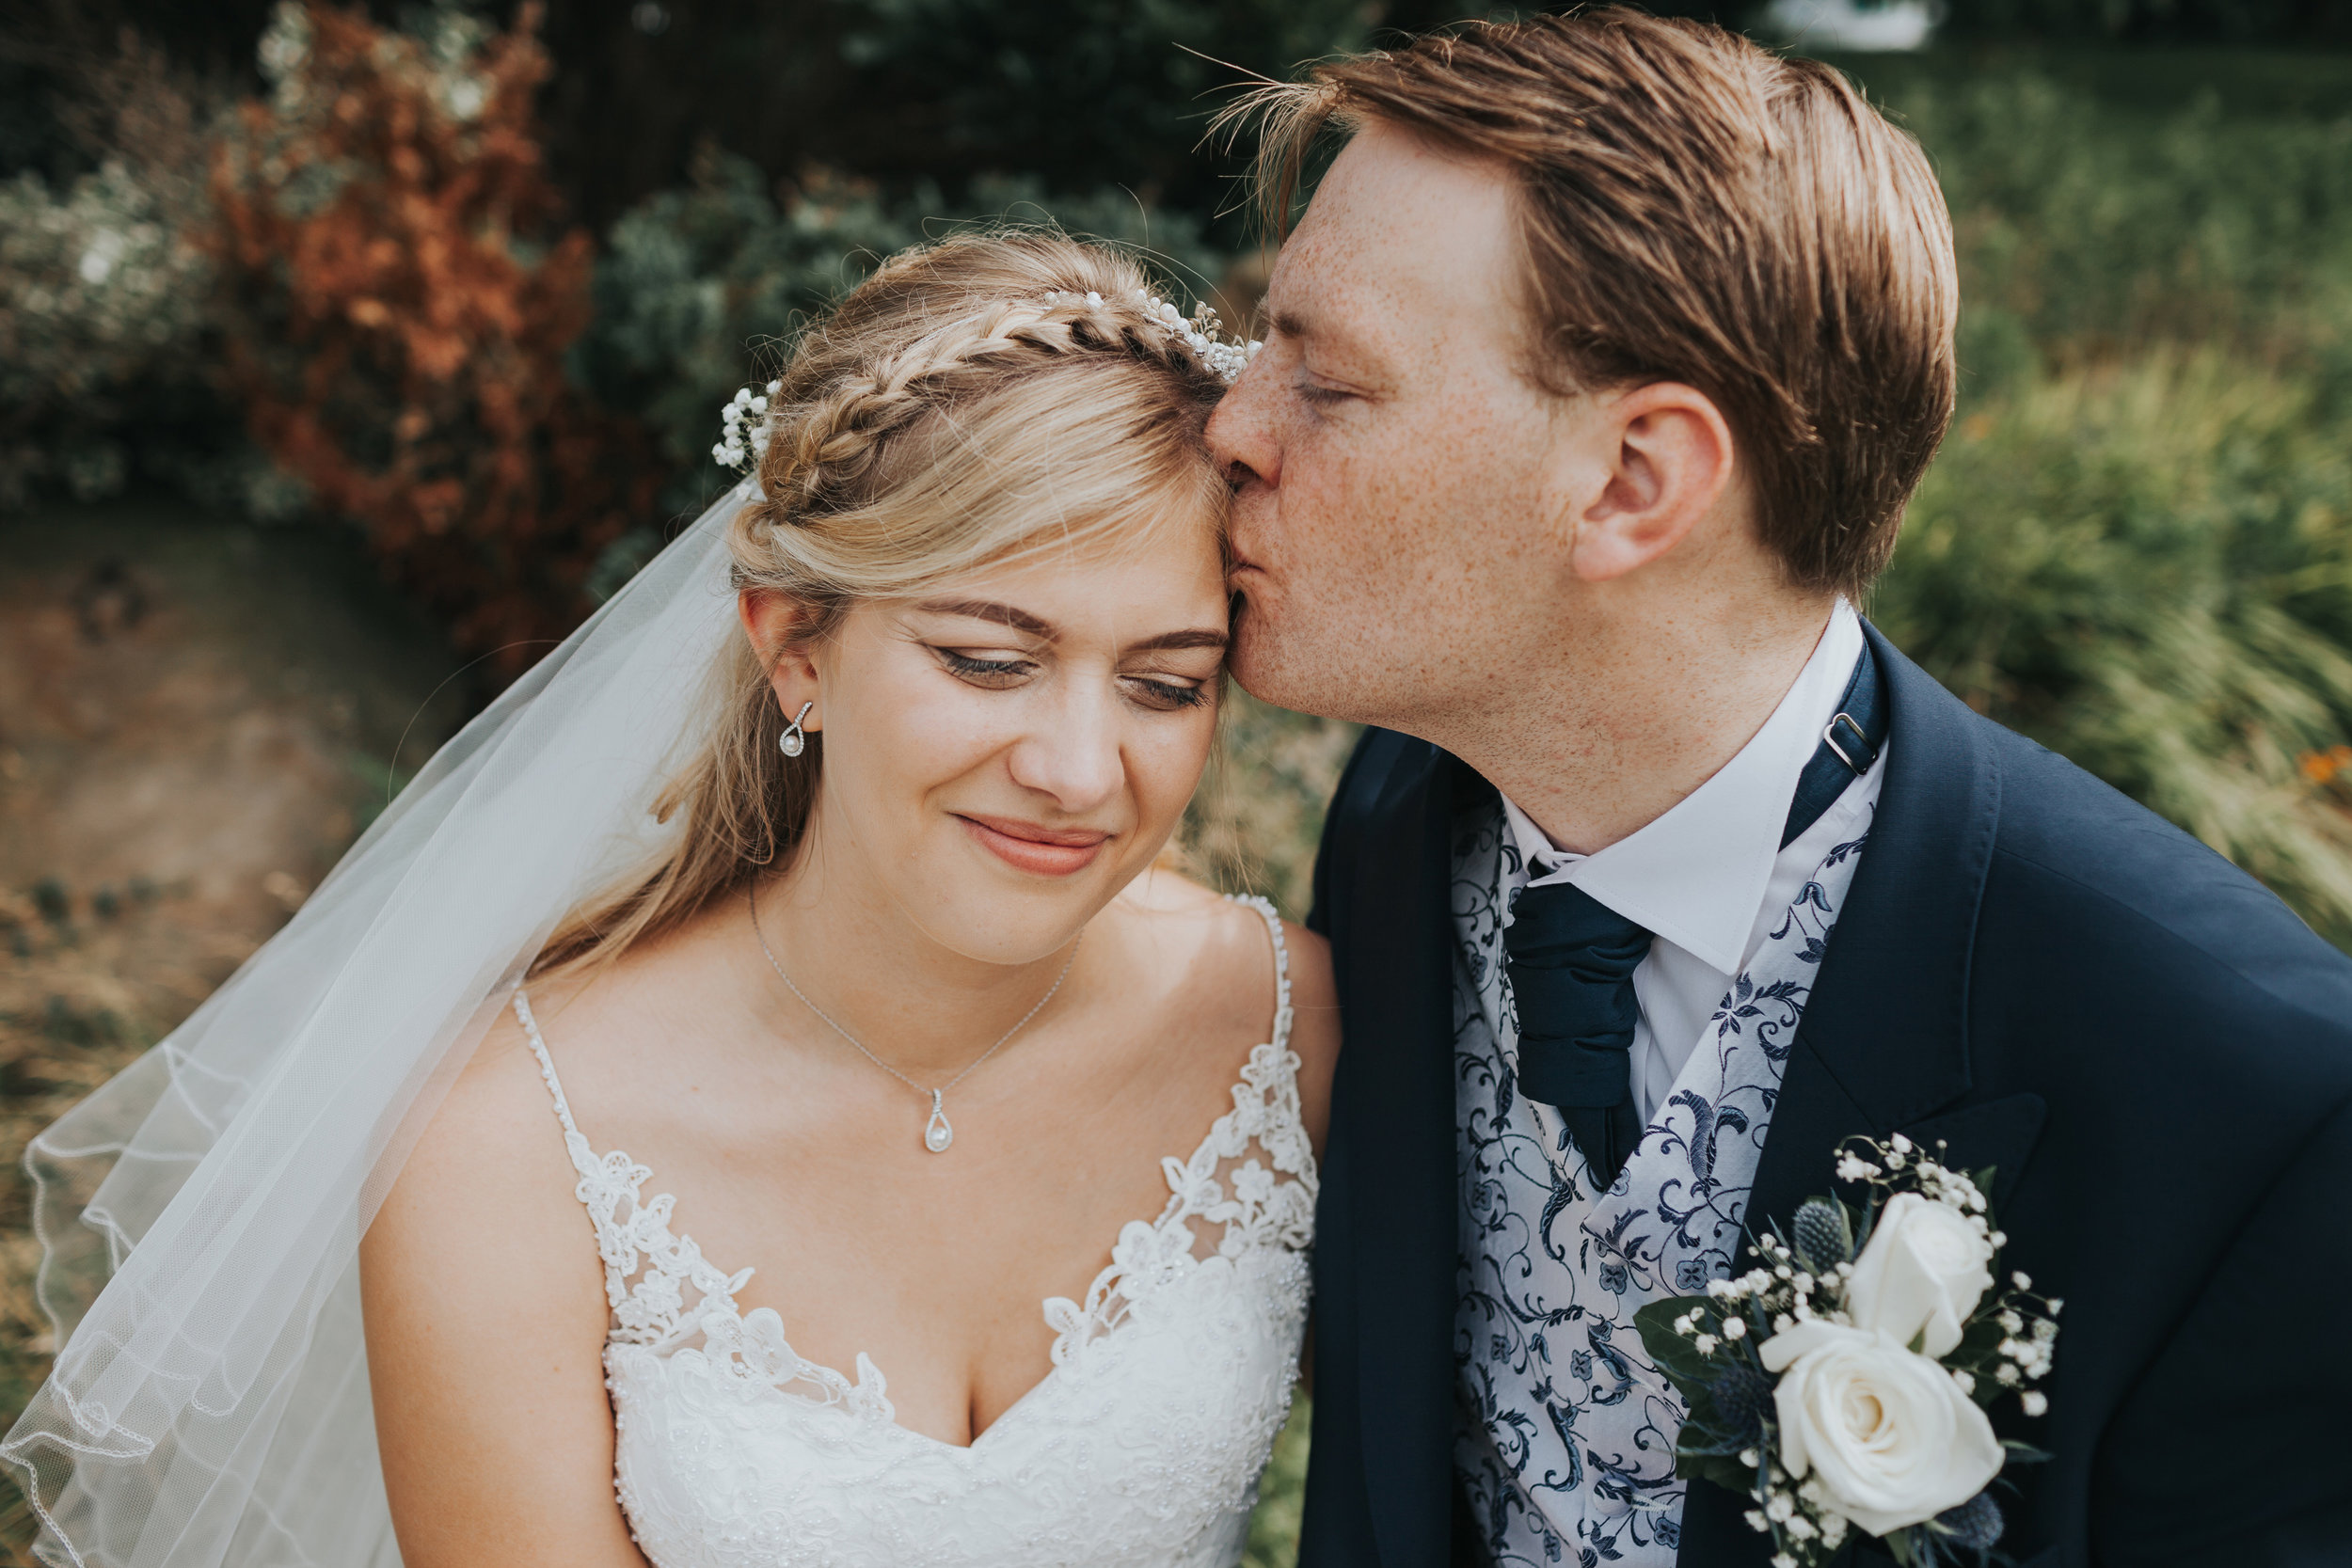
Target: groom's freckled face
x=1386 y=444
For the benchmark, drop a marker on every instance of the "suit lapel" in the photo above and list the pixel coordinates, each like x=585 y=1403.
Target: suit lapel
x=1884 y=1039
x=1883 y=1043
x=1398 y=1087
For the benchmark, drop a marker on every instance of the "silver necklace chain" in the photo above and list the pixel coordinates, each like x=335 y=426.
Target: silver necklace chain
x=937 y=1134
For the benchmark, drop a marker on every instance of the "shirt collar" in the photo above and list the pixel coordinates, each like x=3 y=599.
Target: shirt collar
x=1696 y=875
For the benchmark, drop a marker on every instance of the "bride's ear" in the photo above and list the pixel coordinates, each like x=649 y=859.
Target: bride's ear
x=1660 y=461
x=776 y=622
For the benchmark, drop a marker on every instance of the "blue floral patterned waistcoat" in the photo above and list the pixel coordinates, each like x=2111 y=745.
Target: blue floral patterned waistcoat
x=1566 y=1433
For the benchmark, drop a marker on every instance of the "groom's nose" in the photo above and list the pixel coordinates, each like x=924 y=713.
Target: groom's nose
x=1241 y=433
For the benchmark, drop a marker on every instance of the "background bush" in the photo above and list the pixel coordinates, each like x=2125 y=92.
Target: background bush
x=2136 y=545
x=397 y=300
x=699 y=288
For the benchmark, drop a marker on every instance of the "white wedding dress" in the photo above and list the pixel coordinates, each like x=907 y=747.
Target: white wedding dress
x=1142 y=1444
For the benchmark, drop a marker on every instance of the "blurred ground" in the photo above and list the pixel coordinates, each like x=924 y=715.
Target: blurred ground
x=195 y=718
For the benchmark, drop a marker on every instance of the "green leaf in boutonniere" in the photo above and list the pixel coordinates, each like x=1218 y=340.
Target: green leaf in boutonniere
x=1672 y=1352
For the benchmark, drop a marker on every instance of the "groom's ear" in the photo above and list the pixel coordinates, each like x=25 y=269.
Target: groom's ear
x=1649 y=464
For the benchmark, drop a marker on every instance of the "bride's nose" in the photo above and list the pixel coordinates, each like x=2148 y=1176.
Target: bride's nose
x=1073 y=752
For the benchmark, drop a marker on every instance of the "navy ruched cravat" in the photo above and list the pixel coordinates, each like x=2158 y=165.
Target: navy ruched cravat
x=1571 y=959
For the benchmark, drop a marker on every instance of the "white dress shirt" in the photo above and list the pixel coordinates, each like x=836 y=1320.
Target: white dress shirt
x=1709 y=877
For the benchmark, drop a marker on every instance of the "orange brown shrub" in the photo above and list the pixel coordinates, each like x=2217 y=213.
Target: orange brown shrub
x=400 y=297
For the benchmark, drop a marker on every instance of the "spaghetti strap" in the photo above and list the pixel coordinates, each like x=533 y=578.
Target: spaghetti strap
x=1273 y=919
x=647 y=1268
x=547 y=1063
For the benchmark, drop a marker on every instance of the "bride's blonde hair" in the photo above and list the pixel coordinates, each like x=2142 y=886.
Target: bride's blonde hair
x=971 y=403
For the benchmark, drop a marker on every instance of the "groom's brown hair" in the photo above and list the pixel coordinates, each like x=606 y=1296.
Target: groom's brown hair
x=1694 y=208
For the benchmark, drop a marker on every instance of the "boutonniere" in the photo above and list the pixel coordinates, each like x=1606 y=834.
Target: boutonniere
x=1843 y=1384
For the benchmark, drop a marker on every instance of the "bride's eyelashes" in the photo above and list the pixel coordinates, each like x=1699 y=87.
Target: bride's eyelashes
x=1163 y=696
x=1155 y=693
x=995 y=674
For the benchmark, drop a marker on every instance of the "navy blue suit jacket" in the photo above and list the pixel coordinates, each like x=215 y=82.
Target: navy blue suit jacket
x=2154 y=1049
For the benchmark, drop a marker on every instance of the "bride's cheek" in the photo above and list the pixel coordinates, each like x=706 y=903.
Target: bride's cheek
x=1174 y=766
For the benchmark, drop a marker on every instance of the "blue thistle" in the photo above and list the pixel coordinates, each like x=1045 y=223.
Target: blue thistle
x=1975 y=1525
x=1742 y=1396
x=1823 y=1239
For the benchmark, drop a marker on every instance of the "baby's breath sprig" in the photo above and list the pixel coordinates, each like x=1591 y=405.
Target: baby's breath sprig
x=743 y=426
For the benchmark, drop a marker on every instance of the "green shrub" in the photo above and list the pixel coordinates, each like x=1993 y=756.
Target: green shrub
x=700 y=290
x=2085 y=229
x=108 y=333
x=2148 y=569
x=102 y=308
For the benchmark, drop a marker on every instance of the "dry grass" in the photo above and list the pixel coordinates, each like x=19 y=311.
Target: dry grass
x=80 y=997
x=186 y=711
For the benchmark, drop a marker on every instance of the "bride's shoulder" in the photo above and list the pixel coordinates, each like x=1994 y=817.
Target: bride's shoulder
x=575 y=1036
x=497 y=1129
x=1228 y=960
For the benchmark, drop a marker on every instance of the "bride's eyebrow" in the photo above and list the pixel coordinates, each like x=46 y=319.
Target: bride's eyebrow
x=987 y=609
x=1199 y=637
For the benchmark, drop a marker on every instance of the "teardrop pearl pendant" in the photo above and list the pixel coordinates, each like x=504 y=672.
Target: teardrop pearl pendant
x=793 y=741
x=937 y=1135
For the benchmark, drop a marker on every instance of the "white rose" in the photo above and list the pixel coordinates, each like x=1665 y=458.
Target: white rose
x=1923 y=1271
x=1886 y=1431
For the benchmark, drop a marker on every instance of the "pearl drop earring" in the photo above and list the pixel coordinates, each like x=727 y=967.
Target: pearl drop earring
x=792 y=742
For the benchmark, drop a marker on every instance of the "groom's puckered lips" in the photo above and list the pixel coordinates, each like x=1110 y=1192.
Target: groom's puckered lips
x=1027 y=847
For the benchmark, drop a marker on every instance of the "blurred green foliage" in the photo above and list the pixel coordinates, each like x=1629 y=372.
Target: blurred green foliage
x=100 y=315
x=1076 y=93
x=2148 y=567
x=2227 y=21
x=2137 y=547
x=2088 y=228
x=698 y=289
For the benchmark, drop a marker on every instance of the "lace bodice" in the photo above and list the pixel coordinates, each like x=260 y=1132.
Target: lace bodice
x=1142 y=1444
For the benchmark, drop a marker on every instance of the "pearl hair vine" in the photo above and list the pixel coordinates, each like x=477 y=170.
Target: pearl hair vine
x=743 y=419
x=1203 y=332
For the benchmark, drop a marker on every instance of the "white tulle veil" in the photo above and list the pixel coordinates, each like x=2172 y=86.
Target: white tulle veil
x=202 y=1214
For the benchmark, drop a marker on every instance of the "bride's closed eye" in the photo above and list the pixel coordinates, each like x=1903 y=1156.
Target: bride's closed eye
x=1164 y=696
x=992 y=673
x=1157 y=693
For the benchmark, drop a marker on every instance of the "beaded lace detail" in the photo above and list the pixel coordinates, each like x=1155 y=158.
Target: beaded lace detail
x=1143 y=1444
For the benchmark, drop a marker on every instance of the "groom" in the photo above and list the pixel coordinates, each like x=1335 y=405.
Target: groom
x=1599 y=373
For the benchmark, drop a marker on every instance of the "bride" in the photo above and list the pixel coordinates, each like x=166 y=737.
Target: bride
x=763 y=1096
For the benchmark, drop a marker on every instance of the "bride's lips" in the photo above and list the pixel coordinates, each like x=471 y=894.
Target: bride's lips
x=1027 y=846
